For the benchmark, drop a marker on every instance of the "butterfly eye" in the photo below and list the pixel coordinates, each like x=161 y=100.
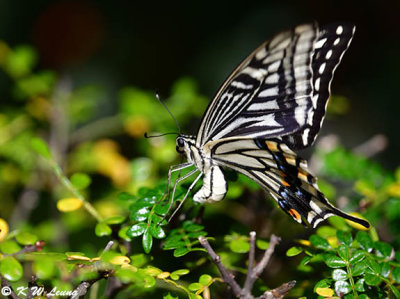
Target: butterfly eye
x=180 y=143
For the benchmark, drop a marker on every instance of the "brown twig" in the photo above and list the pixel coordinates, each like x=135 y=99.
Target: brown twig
x=252 y=252
x=226 y=275
x=254 y=271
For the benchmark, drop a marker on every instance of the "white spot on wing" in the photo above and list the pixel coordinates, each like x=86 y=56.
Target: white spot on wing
x=257 y=74
x=337 y=41
x=339 y=30
x=317 y=83
x=315 y=207
x=273 y=67
x=320 y=43
x=328 y=54
x=305 y=135
x=322 y=68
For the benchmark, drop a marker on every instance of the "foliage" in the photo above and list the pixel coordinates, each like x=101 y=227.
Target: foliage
x=84 y=199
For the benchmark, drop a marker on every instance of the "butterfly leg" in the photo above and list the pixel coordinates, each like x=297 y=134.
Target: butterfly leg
x=187 y=193
x=172 y=169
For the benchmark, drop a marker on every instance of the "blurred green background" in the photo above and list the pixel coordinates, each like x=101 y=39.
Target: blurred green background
x=151 y=45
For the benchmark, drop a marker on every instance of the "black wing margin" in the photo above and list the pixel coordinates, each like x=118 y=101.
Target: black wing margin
x=333 y=41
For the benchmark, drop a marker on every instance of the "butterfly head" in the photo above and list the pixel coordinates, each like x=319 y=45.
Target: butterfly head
x=183 y=143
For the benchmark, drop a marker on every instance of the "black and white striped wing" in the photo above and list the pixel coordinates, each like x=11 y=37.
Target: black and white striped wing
x=278 y=170
x=281 y=89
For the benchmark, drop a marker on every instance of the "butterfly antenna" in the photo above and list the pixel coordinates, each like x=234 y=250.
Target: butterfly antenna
x=170 y=113
x=160 y=135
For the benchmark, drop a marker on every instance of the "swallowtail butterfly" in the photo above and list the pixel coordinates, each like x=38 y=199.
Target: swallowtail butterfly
x=273 y=103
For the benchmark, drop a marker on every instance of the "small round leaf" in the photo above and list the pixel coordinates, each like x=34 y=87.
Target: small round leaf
x=102 y=229
x=69 y=204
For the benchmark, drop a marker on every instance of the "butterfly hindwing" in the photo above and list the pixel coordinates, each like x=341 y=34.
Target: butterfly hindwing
x=278 y=170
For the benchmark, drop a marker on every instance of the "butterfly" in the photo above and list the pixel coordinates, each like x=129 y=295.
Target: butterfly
x=272 y=104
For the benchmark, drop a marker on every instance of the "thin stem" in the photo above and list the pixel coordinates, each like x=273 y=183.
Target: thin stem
x=67 y=183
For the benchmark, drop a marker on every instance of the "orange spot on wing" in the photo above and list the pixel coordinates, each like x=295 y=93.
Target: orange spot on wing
x=285 y=183
x=295 y=214
x=272 y=146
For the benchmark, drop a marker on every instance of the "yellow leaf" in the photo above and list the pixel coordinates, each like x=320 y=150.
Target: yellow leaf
x=163 y=275
x=3 y=229
x=355 y=224
x=136 y=126
x=394 y=189
x=120 y=260
x=325 y=292
x=129 y=267
x=78 y=258
x=304 y=242
x=69 y=204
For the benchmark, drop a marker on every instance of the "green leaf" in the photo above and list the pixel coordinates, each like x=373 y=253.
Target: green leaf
x=319 y=242
x=324 y=283
x=136 y=230
x=343 y=252
x=240 y=245
x=9 y=247
x=293 y=251
x=139 y=260
x=161 y=209
x=195 y=286
x=395 y=291
x=156 y=231
x=177 y=273
x=124 y=196
x=385 y=269
x=147 y=241
x=40 y=147
x=339 y=274
x=359 y=268
x=20 y=61
x=334 y=261
x=261 y=244
x=326 y=231
x=26 y=238
x=205 y=279
x=80 y=180
x=344 y=237
x=11 y=269
x=140 y=214
x=342 y=287
x=357 y=256
x=169 y=296
x=383 y=249
x=44 y=268
x=365 y=241
x=192 y=227
x=114 y=220
x=372 y=279
x=102 y=229
x=181 y=251
x=396 y=274
x=374 y=267
x=360 y=287
x=122 y=233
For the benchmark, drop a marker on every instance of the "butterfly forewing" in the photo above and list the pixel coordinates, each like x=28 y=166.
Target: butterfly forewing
x=281 y=89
